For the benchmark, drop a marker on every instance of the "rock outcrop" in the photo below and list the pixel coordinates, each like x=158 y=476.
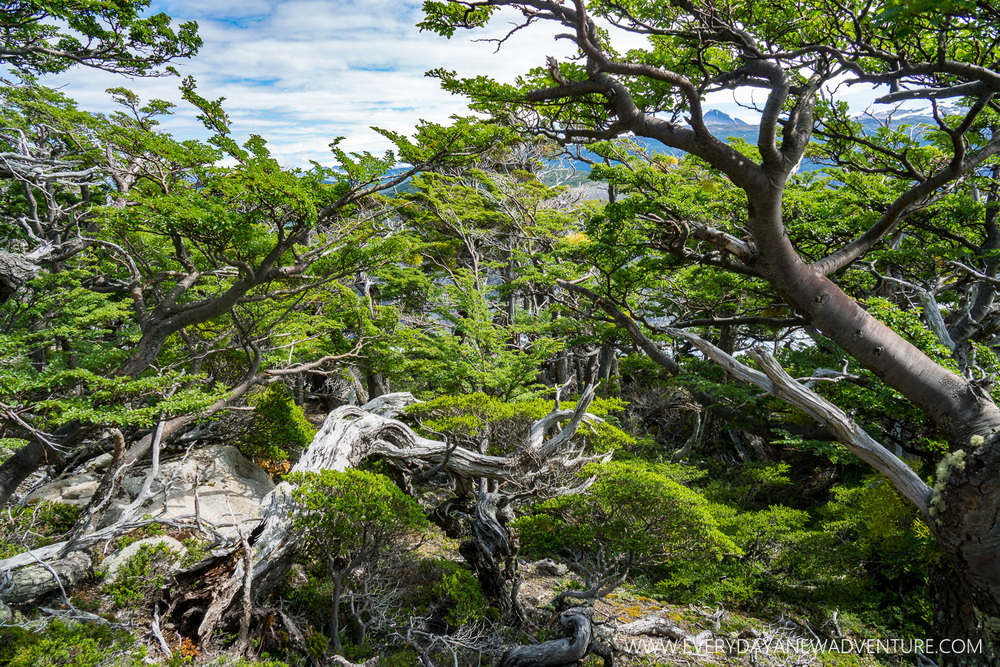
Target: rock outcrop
x=229 y=487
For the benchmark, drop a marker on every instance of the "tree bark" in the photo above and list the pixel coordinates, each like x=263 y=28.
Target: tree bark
x=559 y=652
x=492 y=552
x=15 y=271
x=22 y=463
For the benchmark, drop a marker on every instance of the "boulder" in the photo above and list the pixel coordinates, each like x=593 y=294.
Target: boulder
x=37 y=580
x=230 y=487
x=549 y=568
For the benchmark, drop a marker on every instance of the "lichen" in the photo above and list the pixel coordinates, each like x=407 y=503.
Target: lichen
x=950 y=462
x=976 y=441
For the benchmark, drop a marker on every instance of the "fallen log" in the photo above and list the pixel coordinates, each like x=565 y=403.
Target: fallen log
x=38 y=580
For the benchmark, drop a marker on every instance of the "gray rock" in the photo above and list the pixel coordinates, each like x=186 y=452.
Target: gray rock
x=99 y=462
x=230 y=488
x=550 y=568
x=37 y=580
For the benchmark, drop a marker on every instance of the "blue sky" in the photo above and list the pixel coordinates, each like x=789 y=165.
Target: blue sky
x=303 y=72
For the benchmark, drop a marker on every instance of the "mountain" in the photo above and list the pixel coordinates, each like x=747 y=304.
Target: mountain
x=922 y=115
x=715 y=117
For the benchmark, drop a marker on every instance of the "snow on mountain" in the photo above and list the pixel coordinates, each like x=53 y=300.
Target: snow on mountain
x=716 y=117
x=914 y=115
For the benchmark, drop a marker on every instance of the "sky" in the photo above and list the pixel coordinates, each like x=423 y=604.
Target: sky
x=302 y=72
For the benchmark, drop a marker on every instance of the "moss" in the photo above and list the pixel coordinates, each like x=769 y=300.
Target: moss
x=953 y=461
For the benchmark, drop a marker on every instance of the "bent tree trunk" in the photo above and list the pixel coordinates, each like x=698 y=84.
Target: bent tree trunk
x=350 y=435
x=965 y=509
x=558 y=652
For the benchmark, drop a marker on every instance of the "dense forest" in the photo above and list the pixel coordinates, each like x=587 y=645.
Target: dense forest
x=730 y=401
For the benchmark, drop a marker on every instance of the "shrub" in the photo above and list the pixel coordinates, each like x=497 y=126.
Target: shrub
x=279 y=429
x=350 y=520
x=631 y=518
x=69 y=645
x=140 y=575
x=453 y=589
x=35 y=526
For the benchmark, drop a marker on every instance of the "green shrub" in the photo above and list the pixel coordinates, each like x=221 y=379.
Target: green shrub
x=349 y=520
x=140 y=575
x=404 y=658
x=765 y=541
x=69 y=645
x=279 y=429
x=631 y=518
x=35 y=526
x=452 y=587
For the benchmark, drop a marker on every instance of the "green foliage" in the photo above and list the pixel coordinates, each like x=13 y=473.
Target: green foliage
x=455 y=589
x=279 y=429
x=353 y=513
x=34 y=526
x=404 y=658
x=46 y=37
x=59 y=348
x=471 y=353
x=349 y=520
x=632 y=517
x=140 y=575
x=472 y=418
x=195 y=550
x=317 y=644
x=69 y=645
x=230 y=661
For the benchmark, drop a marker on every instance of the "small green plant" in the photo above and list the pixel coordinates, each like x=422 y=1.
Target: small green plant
x=279 y=430
x=139 y=575
x=196 y=550
x=317 y=644
x=452 y=587
x=34 y=526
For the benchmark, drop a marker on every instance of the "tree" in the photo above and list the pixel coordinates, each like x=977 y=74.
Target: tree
x=793 y=53
x=51 y=36
x=631 y=518
x=47 y=153
x=209 y=260
x=352 y=519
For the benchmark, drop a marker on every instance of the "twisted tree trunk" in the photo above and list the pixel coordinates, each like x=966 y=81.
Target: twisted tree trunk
x=492 y=552
x=349 y=436
x=558 y=652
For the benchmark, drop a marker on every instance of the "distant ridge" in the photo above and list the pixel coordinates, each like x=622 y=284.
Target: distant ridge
x=716 y=117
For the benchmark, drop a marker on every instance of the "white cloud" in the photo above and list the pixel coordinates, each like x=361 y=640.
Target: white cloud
x=302 y=72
